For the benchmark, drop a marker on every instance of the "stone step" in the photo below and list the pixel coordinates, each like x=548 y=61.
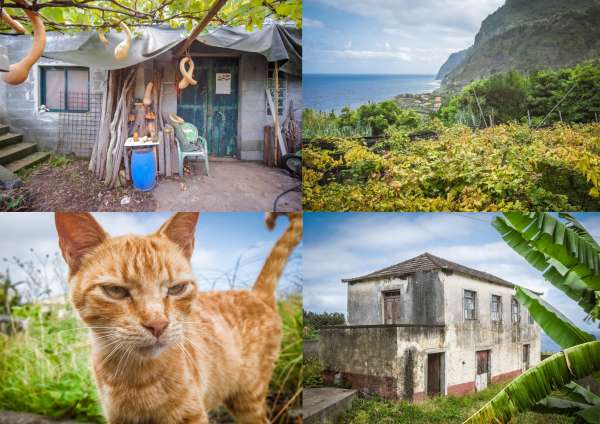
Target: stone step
x=4 y=129
x=17 y=151
x=27 y=161
x=325 y=404
x=7 y=139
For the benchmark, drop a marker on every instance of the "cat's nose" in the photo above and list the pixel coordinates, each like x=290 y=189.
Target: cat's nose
x=156 y=327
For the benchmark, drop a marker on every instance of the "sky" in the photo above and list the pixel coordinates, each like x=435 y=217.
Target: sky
x=221 y=239
x=349 y=245
x=388 y=36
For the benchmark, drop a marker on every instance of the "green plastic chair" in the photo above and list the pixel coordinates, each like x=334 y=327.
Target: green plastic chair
x=190 y=144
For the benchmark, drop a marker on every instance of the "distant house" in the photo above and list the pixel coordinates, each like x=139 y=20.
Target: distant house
x=427 y=327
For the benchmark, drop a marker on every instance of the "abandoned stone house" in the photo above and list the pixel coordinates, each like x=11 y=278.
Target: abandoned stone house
x=427 y=327
x=58 y=107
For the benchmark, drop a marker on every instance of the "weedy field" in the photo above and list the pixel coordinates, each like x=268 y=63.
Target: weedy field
x=45 y=370
x=506 y=167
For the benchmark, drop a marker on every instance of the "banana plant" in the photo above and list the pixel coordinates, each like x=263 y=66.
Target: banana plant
x=569 y=258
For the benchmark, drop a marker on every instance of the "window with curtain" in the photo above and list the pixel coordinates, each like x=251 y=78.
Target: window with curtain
x=64 y=89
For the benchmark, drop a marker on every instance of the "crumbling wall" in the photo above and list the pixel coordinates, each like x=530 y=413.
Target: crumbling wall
x=421 y=296
x=386 y=360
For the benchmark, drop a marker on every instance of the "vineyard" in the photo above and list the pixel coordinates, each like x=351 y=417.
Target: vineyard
x=506 y=167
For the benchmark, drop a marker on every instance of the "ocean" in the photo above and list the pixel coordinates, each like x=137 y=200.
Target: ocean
x=327 y=92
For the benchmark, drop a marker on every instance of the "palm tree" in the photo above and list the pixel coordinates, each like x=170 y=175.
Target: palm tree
x=569 y=258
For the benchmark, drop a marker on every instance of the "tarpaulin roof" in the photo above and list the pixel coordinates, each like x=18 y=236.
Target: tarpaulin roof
x=275 y=42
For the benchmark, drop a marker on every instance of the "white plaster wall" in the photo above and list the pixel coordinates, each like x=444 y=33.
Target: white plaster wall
x=465 y=337
x=365 y=304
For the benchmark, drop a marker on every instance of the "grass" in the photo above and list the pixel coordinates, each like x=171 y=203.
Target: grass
x=443 y=409
x=46 y=370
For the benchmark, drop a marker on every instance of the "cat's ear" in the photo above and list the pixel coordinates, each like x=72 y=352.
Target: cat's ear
x=78 y=235
x=180 y=229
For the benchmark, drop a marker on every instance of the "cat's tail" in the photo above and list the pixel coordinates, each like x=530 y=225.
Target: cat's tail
x=266 y=283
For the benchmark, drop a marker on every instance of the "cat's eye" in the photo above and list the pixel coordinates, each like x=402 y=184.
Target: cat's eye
x=116 y=292
x=177 y=289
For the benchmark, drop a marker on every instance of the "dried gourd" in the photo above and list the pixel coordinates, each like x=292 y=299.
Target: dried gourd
x=148 y=94
x=19 y=71
x=103 y=39
x=186 y=73
x=16 y=25
x=123 y=47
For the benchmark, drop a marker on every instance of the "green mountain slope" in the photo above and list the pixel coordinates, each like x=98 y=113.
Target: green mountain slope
x=529 y=35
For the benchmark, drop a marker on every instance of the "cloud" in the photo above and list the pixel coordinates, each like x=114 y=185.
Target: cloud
x=455 y=15
x=312 y=23
x=369 y=55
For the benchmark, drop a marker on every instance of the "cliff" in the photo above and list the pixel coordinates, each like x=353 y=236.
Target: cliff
x=529 y=35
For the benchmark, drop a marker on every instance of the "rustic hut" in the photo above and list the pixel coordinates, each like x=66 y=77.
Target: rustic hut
x=80 y=99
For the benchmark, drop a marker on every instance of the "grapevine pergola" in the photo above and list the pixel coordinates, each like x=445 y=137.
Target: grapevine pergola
x=102 y=15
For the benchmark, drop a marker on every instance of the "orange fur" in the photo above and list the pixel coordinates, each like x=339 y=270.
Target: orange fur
x=218 y=348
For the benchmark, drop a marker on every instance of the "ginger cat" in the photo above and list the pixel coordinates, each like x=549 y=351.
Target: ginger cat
x=162 y=351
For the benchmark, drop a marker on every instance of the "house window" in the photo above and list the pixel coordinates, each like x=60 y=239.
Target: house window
x=531 y=321
x=391 y=307
x=283 y=88
x=64 y=89
x=496 y=308
x=515 y=310
x=470 y=304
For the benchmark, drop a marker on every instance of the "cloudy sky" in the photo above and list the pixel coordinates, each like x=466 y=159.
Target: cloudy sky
x=221 y=239
x=348 y=245
x=388 y=36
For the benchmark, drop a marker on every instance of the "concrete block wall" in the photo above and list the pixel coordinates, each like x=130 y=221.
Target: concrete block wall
x=22 y=101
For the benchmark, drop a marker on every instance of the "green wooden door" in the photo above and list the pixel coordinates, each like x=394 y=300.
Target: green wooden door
x=212 y=104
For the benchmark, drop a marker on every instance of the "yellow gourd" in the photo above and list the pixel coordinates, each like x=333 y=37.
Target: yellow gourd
x=186 y=73
x=8 y=20
x=19 y=71
x=148 y=94
x=123 y=47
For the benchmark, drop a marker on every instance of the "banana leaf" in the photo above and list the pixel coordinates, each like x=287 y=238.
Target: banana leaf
x=559 y=403
x=589 y=396
x=557 y=326
x=591 y=415
x=578 y=228
x=538 y=382
x=577 y=282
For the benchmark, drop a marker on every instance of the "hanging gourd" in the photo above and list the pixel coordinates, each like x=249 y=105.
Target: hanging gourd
x=103 y=39
x=19 y=71
x=16 y=25
x=148 y=94
x=123 y=47
x=186 y=73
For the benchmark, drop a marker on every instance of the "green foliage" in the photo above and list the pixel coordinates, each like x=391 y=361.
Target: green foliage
x=381 y=116
x=508 y=96
x=538 y=382
x=323 y=319
x=442 y=409
x=508 y=167
x=80 y=16
x=317 y=125
x=46 y=369
x=312 y=376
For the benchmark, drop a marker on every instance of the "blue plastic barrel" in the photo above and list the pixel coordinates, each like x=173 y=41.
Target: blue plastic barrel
x=143 y=169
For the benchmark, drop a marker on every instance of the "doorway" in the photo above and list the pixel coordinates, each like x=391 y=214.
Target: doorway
x=483 y=373
x=435 y=373
x=212 y=104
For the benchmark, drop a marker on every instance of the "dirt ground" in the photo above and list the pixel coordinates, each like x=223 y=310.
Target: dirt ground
x=232 y=186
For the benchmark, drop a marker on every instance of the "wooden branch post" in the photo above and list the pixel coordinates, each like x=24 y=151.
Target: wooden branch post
x=212 y=12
